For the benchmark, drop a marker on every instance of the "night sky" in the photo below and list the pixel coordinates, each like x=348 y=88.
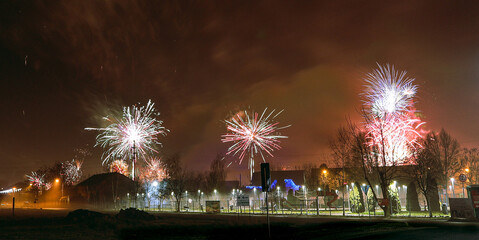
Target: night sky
x=62 y=63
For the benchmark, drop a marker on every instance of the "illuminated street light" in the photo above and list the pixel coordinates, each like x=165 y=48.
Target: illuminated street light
x=453 y=194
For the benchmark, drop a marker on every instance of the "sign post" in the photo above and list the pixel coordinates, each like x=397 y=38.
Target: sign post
x=463 y=178
x=242 y=200
x=265 y=185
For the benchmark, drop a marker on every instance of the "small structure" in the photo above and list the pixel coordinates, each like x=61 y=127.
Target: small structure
x=104 y=190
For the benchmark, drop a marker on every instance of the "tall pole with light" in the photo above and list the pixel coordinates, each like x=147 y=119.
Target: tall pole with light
x=13 y=201
x=467 y=173
x=133 y=160
x=453 y=194
x=279 y=199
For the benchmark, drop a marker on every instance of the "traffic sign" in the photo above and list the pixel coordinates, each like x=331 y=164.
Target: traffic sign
x=462 y=178
x=242 y=200
x=265 y=177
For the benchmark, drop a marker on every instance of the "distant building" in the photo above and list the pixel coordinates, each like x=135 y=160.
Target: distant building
x=104 y=190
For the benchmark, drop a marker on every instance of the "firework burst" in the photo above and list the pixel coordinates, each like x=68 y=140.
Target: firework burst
x=71 y=171
x=36 y=179
x=253 y=134
x=153 y=171
x=394 y=138
x=393 y=128
x=389 y=91
x=135 y=133
x=119 y=166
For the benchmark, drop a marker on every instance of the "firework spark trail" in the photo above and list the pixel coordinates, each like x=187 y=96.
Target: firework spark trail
x=389 y=91
x=71 y=171
x=397 y=135
x=153 y=170
x=253 y=134
x=134 y=133
x=392 y=125
x=36 y=179
x=119 y=166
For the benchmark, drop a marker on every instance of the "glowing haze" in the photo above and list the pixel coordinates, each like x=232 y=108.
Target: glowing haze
x=199 y=61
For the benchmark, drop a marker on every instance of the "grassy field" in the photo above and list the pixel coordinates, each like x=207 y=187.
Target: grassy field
x=57 y=224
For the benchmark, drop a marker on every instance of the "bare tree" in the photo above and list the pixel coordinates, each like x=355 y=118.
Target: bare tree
x=376 y=164
x=341 y=147
x=177 y=179
x=469 y=158
x=311 y=180
x=216 y=176
x=425 y=169
x=446 y=150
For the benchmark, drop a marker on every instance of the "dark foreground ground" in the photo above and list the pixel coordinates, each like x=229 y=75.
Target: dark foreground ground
x=132 y=224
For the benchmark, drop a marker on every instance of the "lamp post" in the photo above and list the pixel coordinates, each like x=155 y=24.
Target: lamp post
x=279 y=200
x=186 y=197
x=317 y=201
x=215 y=195
x=453 y=194
x=254 y=198
x=305 y=200
x=133 y=160
x=13 y=201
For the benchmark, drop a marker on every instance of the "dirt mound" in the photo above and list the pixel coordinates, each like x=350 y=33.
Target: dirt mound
x=84 y=215
x=134 y=214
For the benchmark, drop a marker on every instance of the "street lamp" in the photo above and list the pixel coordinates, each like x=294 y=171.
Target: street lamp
x=305 y=200
x=215 y=195
x=199 y=201
x=452 y=181
x=57 y=180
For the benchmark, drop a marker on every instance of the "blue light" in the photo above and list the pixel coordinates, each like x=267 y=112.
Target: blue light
x=274 y=184
x=290 y=184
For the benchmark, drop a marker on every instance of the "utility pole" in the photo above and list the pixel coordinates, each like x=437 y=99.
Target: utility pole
x=133 y=161
x=344 y=212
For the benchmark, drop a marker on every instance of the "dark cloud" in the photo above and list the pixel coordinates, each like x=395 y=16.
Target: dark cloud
x=201 y=61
